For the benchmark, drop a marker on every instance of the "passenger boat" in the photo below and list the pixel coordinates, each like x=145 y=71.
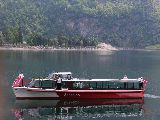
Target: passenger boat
x=61 y=85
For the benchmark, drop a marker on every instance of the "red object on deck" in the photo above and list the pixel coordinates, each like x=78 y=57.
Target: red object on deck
x=145 y=82
x=18 y=81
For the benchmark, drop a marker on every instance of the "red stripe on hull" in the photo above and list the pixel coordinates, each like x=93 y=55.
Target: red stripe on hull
x=84 y=94
x=91 y=95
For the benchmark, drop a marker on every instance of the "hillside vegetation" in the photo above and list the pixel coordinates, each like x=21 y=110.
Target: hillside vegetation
x=68 y=23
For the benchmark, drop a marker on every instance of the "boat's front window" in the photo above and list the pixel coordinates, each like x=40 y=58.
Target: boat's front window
x=46 y=84
x=35 y=84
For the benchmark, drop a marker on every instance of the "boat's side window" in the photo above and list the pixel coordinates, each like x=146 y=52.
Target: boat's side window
x=133 y=85
x=99 y=85
x=130 y=85
x=48 y=84
x=111 y=85
x=136 y=85
x=114 y=85
x=93 y=85
x=105 y=85
x=37 y=84
x=86 y=85
x=121 y=85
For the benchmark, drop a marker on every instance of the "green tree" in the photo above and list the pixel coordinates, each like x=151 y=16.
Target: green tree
x=122 y=23
x=63 y=40
x=13 y=35
x=36 y=39
x=2 y=38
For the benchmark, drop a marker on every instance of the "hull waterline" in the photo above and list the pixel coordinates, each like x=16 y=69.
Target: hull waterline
x=32 y=93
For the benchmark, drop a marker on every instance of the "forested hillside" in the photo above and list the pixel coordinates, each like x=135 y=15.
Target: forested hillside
x=122 y=23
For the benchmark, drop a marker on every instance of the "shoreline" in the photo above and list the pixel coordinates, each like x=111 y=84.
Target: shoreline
x=54 y=49
x=40 y=48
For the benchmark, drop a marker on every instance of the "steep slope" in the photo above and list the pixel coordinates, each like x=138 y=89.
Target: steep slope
x=122 y=23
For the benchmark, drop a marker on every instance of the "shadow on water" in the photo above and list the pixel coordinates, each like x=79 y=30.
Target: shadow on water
x=77 y=109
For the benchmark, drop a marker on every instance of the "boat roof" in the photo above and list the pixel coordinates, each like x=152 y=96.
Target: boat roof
x=97 y=80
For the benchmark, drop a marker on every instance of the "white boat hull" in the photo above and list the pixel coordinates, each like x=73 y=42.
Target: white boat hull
x=24 y=92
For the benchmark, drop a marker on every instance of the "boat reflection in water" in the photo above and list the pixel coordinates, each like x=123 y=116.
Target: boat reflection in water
x=77 y=109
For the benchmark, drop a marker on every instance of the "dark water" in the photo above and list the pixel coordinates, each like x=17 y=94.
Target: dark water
x=82 y=64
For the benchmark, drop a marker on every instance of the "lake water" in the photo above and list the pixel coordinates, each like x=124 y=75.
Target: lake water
x=83 y=64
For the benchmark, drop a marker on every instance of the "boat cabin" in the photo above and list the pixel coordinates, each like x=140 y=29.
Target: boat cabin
x=86 y=84
x=103 y=84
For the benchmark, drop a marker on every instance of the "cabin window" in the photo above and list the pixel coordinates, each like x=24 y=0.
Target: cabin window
x=37 y=84
x=121 y=85
x=111 y=85
x=136 y=85
x=68 y=85
x=130 y=85
x=99 y=85
x=78 y=85
x=86 y=85
x=48 y=84
x=93 y=85
x=106 y=85
x=115 y=85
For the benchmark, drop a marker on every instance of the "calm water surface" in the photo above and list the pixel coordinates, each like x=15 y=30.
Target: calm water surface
x=82 y=64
